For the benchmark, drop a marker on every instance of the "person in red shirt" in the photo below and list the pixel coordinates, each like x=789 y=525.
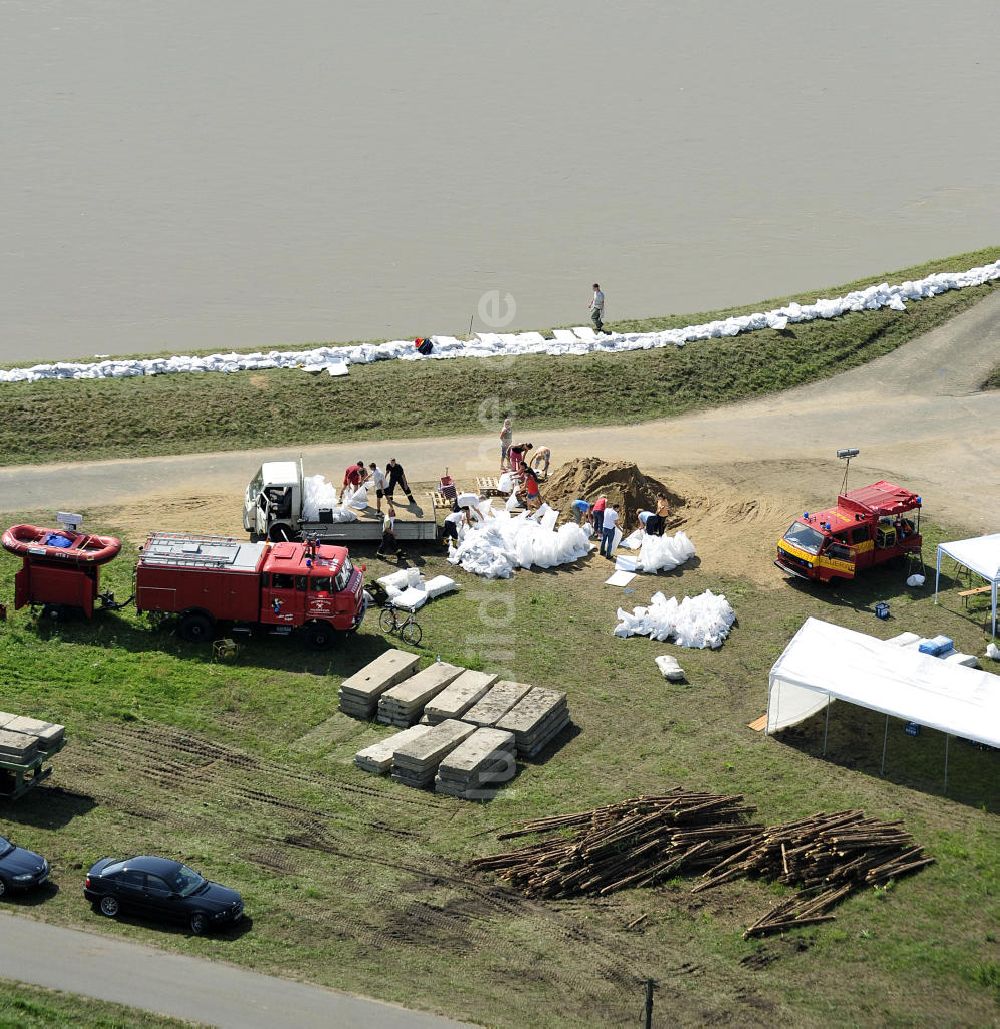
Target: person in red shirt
x=354 y=475
x=597 y=511
x=531 y=497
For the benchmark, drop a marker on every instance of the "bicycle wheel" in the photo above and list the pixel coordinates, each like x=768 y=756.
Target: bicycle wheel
x=387 y=620
x=412 y=633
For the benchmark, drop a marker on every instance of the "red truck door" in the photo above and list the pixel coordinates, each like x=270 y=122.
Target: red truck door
x=283 y=598
x=22 y=586
x=864 y=545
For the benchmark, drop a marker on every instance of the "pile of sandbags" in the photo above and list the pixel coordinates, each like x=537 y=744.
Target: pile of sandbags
x=416 y=762
x=320 y=495
x=454 y=700
x=378 y=758
x=403 y=704
x=407 y=588
x=699 y=622
x=360 y=693
x=536 y=720
x=478 y=765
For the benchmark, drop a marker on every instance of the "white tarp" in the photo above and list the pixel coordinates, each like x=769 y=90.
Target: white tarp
x=824 y=661
x=982 y=555
x=492 y=344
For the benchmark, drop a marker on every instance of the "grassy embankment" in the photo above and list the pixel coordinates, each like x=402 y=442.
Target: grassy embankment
x=244 y=769
x=177 y=414
x=31 y=1007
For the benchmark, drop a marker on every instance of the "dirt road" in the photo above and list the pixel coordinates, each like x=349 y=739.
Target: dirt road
x=915 y=414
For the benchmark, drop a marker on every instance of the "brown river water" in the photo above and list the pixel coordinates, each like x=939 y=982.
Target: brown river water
x=218 y=174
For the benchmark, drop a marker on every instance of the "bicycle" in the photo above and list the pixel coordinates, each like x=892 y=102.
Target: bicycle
x=390 y=620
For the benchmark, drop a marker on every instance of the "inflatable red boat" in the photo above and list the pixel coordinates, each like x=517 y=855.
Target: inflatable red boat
x=63 y=545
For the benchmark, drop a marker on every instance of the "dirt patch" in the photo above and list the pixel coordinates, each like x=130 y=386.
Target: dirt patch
x=628 y=490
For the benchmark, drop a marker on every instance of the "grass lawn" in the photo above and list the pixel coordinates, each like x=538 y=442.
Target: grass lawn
x=30 y=1007
x=203 y=413
x=245 y=770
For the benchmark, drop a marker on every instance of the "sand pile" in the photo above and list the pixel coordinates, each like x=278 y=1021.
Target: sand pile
x=627 y=489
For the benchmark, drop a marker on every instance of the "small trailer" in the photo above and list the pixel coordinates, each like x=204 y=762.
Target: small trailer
x=273 y=510
x=26 y=745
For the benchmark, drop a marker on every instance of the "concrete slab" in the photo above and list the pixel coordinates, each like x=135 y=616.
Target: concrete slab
x=421 y=757
x=378 y=757
x=497 y=702
x=18 y=748
x=456 y=699
x=48 y=733
x=385 y=671
x=483 y=747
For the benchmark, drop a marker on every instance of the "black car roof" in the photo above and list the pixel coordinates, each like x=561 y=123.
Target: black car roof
x=153 y=865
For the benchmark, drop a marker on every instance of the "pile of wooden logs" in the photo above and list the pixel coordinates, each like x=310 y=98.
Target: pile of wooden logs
x=829 y=854
x=637 y=842
x=645 y=840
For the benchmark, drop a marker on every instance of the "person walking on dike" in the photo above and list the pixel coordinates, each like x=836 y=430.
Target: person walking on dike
x=396 y=477
x=609 y=524
x=506 y=438
x=600 y=505
x=389 y=546
x=354 y=474
x=377 y=478
x=597 y=308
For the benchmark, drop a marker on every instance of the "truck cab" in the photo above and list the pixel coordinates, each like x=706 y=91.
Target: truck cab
x=869 y=526
x=272 y=504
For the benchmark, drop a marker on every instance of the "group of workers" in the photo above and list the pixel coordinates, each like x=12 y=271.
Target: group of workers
x=527 y=471
x=384 y=482
x=605 y=519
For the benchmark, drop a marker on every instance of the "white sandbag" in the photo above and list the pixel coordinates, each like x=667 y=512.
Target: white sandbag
x=548 y=522
x=993 y=652
x=634 y=540
x=698 y=622
x=506 y=483
x=317 y=493
x=627 y=563
x=359 y=498
x=439 y=585
x=664 y=553
x=670 y=668
x=402 y=579
x=915 y=580
x=512 y=502
x=411 y=599
x=468 y=500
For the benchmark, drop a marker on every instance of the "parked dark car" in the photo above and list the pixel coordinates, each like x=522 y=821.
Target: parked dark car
x=20 y=869
x=162 y=889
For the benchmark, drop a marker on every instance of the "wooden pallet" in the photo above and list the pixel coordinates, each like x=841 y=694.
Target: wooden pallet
x=488 y=486
x=758 y=724
x=439 y=501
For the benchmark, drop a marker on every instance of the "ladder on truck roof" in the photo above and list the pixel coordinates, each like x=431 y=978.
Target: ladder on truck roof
x=201 y=551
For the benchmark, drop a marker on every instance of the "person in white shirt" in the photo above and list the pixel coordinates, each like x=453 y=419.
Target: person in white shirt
x=377 y=478
x=608 y=532
x=389 y=547
x=453 y=524
x=597 y=308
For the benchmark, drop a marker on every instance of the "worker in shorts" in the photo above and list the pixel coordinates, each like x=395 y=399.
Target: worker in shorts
x=389 y=547
x=377 y=479
x=453 y=524
x=517 y=456
x=396 y=477
x=506 y=438
x=540 y=461
x=354 y=475
x=532 y=499
x=581 y=512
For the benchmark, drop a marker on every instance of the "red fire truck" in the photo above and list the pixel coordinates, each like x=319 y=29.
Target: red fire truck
x=277 y=586
x=205 y=580
x=867 y=527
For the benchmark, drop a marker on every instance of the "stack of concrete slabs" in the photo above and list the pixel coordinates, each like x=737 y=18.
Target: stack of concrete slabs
x=536 y=720
x=496 y=703
x=416 y=763
x=378 y=757
x=359 y=694
x=402 y=705
x=478 y=765
x=456 y=699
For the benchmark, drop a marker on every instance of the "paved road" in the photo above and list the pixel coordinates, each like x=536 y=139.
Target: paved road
x=915 y=413
x=207 y=992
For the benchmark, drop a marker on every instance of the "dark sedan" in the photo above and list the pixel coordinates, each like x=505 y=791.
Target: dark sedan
x=20 y=869
x=162 y=889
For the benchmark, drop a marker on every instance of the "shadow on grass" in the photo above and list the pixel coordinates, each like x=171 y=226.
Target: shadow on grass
x=229 y=934
x=31 y=898
x=48 y=807
x=856 y=740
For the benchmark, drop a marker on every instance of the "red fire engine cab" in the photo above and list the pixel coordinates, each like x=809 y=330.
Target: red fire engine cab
x=867 y=527
x=276 y=586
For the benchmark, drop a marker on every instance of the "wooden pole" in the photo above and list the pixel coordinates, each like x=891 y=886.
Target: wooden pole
x=885 y=743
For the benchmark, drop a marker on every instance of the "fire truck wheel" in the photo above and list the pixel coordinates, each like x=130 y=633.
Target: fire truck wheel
x=319 y=636
x=195 y=628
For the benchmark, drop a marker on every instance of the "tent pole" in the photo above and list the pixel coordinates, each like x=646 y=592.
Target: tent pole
x=937 y=576
x=826 y=731
x=885 y=743
x=947 y=740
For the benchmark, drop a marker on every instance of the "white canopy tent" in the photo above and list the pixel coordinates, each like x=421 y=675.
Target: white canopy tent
x=824 y=662
x=982 y=555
